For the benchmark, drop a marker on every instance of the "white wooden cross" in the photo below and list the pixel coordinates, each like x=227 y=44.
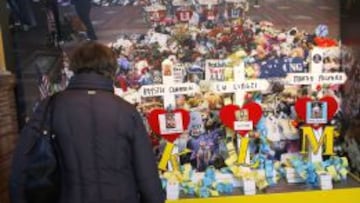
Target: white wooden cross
x=168 y=90
x=208 y=2
x=314 y=78
x=239 y=87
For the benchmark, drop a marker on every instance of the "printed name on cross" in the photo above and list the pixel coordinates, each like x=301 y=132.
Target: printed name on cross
x=180 y=89
x=333 y=77
x=303 y=78
x=231 y=87
x=161 y=90
x=248 y=85
x=311 y=78
x=152 y=91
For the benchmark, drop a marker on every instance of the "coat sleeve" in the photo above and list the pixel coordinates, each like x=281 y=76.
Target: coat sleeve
x=25 y=141
x=146 y=173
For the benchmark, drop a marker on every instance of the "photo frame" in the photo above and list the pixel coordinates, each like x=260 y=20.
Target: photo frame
x=316 y=112
x=242 y=120
x=170 y=123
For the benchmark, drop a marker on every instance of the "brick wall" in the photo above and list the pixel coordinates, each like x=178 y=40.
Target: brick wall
x=8 y=131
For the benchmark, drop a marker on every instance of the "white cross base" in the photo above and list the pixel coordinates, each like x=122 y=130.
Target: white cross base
x=239 y=87
x=314 y=78
x=168 y=90
x=314 y=158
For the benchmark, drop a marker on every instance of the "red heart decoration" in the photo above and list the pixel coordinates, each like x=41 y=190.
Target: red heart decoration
x=332 y=107
x=153 y=120
x=300 y=107
x=227 y=115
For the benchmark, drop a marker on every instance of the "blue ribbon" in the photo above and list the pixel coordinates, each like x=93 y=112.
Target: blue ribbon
x=204 y=192
x=269 y=172
x=311 y=179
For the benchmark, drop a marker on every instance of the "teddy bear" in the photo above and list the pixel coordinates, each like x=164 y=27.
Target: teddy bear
x=214 y=100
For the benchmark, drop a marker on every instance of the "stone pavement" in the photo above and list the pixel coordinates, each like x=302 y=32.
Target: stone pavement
x=109 y=22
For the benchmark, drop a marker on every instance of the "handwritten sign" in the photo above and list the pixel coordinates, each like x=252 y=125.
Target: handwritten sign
x=314 y=79
x=174 y=89
x=215 y=69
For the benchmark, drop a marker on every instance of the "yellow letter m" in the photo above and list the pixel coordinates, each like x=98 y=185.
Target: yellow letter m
x=327 y=139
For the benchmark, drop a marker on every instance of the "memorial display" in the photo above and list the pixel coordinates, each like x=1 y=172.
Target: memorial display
x=231 y=105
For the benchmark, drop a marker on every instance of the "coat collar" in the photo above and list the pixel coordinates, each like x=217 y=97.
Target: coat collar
x=91 y=81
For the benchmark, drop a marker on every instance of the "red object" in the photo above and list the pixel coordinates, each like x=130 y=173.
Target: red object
x=210 y=13
x=122 y=83
x=153 y=120
x=237 y=29
x=325 y=42
x=318 y=87
x=248 y=96
x=154 y=140
x=294 y=123
x=184 y=15
x=157 y=16
x=227 y=115
x=332 y=107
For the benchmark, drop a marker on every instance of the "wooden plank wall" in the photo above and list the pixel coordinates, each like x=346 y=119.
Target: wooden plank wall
x=8 y=131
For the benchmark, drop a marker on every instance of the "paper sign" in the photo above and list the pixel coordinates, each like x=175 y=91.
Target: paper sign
x=215 y=70
x=243 y=125
x=248 y=85
x=325 y=181
x=160 y=90
x=249 y=187
x=170 y=123
x=172 y=190
x=313 y=79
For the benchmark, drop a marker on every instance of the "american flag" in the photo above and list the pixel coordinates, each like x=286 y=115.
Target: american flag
x=44 y=86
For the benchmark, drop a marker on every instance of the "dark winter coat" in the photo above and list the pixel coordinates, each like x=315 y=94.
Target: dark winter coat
x=107 y=155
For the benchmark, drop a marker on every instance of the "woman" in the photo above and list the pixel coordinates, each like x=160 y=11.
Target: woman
x=106 y=153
